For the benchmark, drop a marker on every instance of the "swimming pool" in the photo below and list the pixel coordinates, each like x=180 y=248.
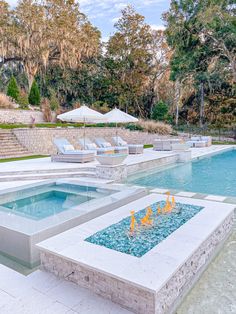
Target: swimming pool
x=215 y=174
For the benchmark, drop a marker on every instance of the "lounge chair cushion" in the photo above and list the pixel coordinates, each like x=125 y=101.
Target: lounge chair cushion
x=118 y=141
x=121 y=142
x=105 y=144
x=68 y=148
x=91 y=146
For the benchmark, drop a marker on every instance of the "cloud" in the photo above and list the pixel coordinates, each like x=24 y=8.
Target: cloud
x=115 y=19
x=158 y=27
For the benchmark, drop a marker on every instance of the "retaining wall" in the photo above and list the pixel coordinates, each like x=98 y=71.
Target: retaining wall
x=20 y=116
x=40 y=140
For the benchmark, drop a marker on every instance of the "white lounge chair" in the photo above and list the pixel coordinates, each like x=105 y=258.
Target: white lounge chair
x=207 y=139
x=102 y=143
x=89 y=145
x=200 y=141
x=132 y=148
x=67 y=153
x=165 y=144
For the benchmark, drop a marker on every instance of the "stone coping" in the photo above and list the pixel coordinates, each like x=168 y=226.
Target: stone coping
x=153 y=270
x=196 y=195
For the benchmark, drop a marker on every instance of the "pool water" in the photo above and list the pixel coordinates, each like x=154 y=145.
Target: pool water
x=215 y=174
x=47 y=200
x=215 y=291
x=46 y=204
x=117 y=236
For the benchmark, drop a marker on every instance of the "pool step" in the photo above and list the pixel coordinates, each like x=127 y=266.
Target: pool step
x=42 y=176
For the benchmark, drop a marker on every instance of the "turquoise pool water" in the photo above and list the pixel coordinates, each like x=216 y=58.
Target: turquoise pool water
x=46 y=204
x=117 y=236
x=210 y=175
x=43 y=201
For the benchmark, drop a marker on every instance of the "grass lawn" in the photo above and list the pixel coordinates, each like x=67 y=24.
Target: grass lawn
x=22 y=158
x=223 y=143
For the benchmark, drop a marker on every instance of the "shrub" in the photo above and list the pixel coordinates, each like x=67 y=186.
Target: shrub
x=13 y=89
x=160 y=112
x=100 y=106
x=134 y=127
x=34 y=95
x=152 y=126
x=53 y=100
x=47 y=114
x=5 y=102
x=23 y=100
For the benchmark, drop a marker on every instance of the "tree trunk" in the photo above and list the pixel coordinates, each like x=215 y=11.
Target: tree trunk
x=201 y=105
x=234 y=71
x=31 y=70
x=30 y=80
x=177 y=101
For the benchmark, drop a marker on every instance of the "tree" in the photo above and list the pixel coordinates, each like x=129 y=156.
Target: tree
x=218 y=23
x=37 y=33
x=202 y=35
x=34 y=95
x=129 y=59
x=160 y=111
x=13 y=89
x=158 y=80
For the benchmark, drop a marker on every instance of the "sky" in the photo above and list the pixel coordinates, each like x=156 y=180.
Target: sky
x=104 y=13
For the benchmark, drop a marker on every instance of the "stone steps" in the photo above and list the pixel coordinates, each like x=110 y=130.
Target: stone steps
x=14 y=154
x=10 y=146
x=7 y=139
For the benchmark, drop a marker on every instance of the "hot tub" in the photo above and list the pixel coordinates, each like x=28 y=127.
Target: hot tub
x=35 y=212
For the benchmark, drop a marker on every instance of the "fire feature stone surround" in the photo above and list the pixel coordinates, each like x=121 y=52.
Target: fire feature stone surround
x=175 y=271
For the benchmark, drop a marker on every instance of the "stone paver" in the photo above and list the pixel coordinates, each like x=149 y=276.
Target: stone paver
x=43 y=293
x=158 y=190
x=216 y=198
x=186 y=194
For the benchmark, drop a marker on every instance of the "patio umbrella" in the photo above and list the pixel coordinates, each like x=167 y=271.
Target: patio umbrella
x=84 y=115
x=118 y=116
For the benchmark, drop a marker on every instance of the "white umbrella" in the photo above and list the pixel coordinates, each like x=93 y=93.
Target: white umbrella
x=118 y=116
x=84 y=115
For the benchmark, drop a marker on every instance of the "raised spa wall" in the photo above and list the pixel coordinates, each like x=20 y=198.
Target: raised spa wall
x=21 y=246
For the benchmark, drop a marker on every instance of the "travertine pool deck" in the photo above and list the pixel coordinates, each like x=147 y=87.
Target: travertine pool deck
x=38 y=165
x=43 y=293
x=154 y=283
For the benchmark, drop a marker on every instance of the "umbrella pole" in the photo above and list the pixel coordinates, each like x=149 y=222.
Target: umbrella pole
x=84 y=134
x=116 y=134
